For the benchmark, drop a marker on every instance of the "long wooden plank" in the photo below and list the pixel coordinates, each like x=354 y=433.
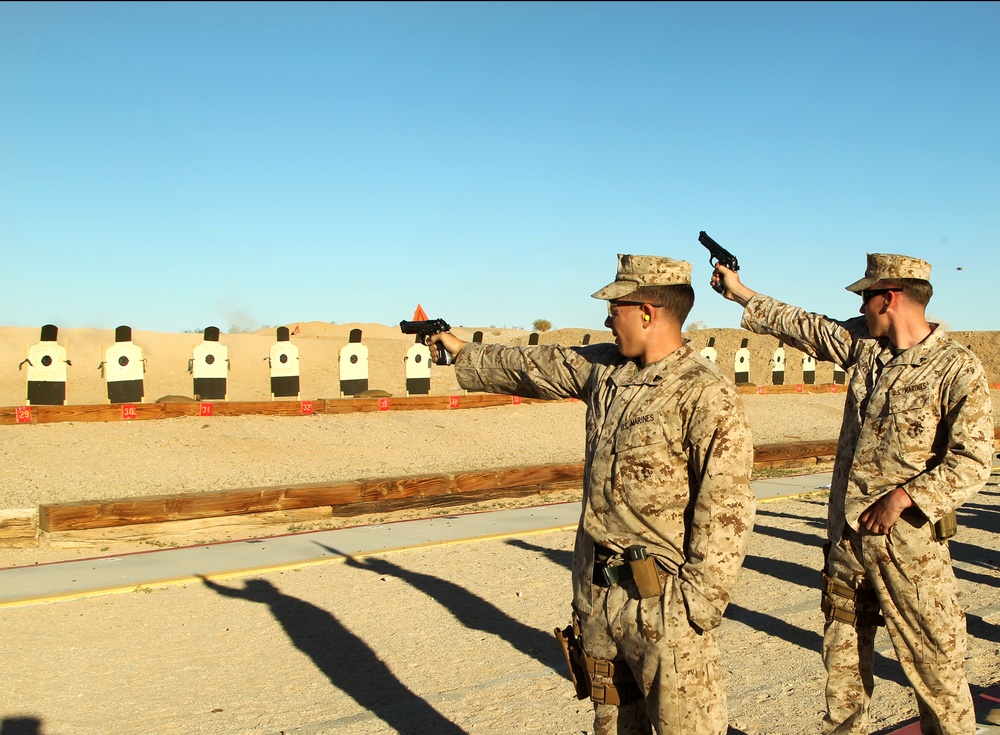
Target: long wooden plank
x=188 y=506
x=450 y=499
x=109 y=412
x=367 y=493
x=242 y=408
x=767 y=390
x=766 y=454
x=161 y=508
x=50 y=414
x=184 y=533
x=535 y=476
x=406 y=487
x=81 y=515
x=17 y=529
x=140 y=411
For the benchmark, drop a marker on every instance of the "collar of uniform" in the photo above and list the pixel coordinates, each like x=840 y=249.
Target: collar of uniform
x=918 y=354
x=654 y=373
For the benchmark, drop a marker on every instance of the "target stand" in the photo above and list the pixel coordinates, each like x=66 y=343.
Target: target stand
x=124 y=369
x=284 y=362
x=709 y=352
x=209 y=365
x=353 y=366
x=46 y=373
x=418 y=370
x=778 y=366
x=741 y=363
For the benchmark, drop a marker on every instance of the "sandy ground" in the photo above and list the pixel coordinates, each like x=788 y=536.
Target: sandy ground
x=448 y=639
x=452 y=639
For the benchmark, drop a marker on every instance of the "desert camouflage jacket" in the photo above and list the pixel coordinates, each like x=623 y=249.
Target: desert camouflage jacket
x=668 y=458
x=921 y=419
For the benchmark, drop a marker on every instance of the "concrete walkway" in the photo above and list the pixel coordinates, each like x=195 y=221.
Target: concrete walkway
x=125 y=572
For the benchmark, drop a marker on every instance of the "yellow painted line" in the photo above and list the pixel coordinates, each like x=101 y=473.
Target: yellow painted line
x=792 y=496
x=268 y=569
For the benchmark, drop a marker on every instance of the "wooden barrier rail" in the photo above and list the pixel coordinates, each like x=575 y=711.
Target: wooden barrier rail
x=143 y=411
x=365 y=495
x=75 y=522
x=344 y=498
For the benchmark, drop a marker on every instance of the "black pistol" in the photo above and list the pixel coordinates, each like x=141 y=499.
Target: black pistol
x=424 y=330
x=718 y=254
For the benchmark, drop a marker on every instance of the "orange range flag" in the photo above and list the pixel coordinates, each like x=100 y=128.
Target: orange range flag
x=419 y=315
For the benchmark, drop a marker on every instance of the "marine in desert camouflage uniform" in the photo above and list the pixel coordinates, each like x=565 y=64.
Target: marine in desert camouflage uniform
x=915 y=444
x=668 y=457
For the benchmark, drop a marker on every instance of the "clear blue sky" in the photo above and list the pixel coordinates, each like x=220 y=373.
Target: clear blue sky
x=171 y=166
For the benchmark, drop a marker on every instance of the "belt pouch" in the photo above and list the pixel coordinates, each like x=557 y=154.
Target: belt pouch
x=643 y=567
x=947 y=527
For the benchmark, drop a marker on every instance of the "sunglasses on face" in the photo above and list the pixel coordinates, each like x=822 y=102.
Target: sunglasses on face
x=870 y=293
x=615 y=304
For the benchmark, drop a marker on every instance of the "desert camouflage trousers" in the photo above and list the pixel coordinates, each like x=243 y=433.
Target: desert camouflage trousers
x=675 y=666
x=907 y=577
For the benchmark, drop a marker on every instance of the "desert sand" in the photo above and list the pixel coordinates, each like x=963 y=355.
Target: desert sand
x=450 y=639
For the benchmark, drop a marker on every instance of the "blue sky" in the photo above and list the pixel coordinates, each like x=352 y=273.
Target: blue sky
x=171 y=166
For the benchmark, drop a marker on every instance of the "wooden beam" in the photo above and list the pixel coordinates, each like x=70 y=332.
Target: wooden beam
x=769 y=390
x=107 y=412
x=367 y=495
x=138 y=411
x=17 y=529
x=790 y=453
x=162 y=508
x=242 y=408
x=81 y=515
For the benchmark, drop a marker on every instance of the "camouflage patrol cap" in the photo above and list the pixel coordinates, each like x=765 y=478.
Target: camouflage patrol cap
x=639 y=271
x=887 y=267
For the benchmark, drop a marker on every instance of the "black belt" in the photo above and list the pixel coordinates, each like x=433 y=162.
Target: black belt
x=609 y=576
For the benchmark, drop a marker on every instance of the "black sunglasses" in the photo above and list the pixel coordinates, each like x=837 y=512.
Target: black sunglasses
x=867 y=294
x=613 y=305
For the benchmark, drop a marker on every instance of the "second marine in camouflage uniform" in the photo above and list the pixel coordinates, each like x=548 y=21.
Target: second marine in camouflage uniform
x=919 y=419
x=668 y=453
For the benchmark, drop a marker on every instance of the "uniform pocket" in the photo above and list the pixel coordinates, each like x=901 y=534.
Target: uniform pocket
x=639 y=454
x=913 y=419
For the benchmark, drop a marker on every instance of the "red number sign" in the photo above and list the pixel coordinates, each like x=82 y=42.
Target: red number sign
x=128 y=411
x=383 y=404
x=515 y=400
x=307 y=408
x=453 y=402
x=23 y=414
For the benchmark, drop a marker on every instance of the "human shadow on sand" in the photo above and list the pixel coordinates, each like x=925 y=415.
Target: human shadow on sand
x=561 y=557
x=20 y=726
x=796 y=537
x=469 y=609
x=346 y=660
x=818 y=522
